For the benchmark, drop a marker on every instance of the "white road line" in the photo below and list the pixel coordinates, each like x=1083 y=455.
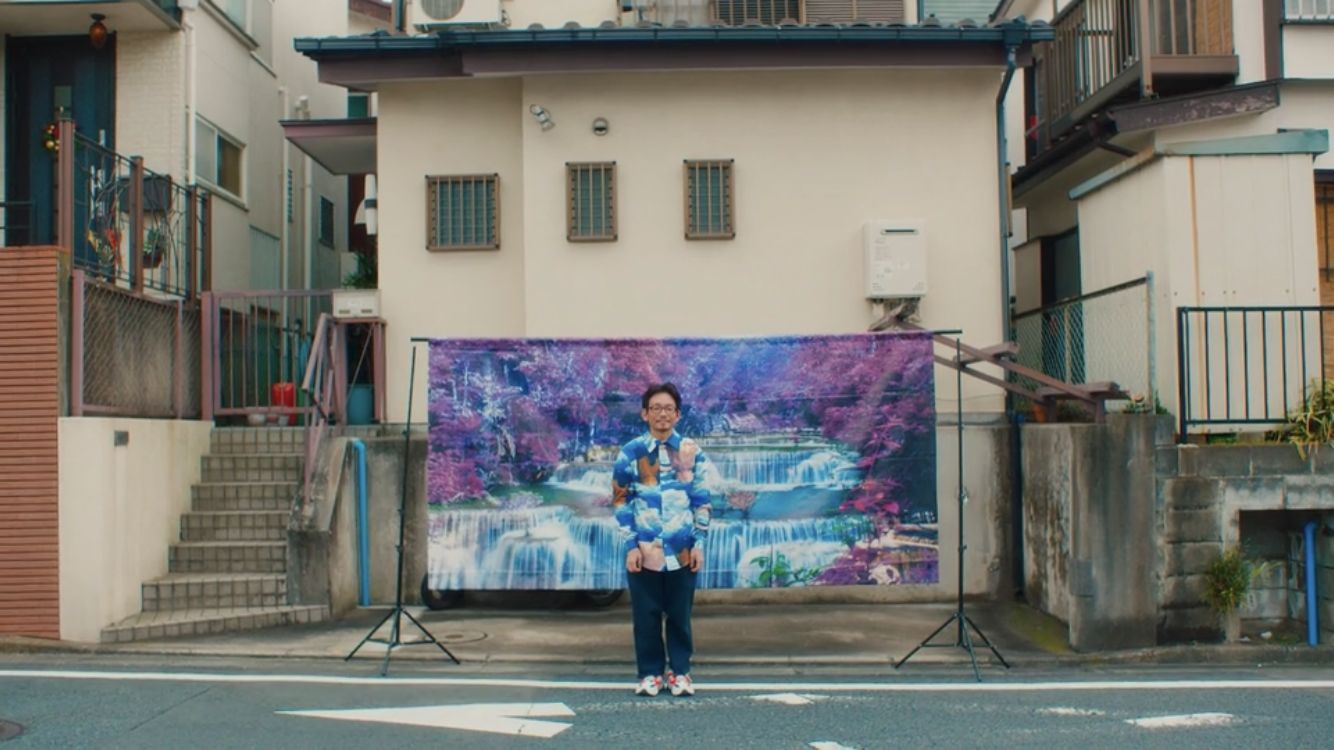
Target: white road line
x=825 y=745
x=1067 y=711
x=706 y=687
x=1184 y=721
x=788 y=699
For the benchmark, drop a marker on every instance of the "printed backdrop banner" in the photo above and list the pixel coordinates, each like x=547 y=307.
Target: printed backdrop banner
x=824 y=449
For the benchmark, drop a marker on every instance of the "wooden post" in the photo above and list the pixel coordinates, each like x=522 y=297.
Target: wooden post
x=208 y=344
x=206 y=262
x=134 y=248
x=192 y=241
x=65 y=186
x=78 y=291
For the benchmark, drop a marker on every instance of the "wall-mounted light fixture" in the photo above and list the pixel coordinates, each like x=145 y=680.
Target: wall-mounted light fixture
x=601 y=126
x=543 y=117
x=97 y=32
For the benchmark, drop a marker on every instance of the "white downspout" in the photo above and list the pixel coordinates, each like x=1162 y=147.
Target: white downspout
x=191 y=100
x=284 y=226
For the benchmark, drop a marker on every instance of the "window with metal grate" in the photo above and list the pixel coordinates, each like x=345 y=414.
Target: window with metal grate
x=590 y=198
x=463 y=212
x=710 y=203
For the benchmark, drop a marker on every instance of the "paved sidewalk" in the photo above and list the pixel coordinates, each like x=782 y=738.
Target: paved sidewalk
x=545 y=628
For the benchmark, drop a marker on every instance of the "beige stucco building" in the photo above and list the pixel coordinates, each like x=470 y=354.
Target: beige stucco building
x=821 y=134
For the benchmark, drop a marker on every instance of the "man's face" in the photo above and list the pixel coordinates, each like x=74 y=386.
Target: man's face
x=661 y=414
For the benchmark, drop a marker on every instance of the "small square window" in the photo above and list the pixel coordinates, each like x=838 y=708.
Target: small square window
x=218 y=158
x=709 y=200
x=463 y=212
x=590 y=189
x=326 y=221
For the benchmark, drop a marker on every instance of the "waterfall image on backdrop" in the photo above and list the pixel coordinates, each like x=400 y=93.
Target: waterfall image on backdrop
x=823 y=447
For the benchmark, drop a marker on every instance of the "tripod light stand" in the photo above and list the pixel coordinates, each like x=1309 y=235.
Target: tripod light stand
x=398 y=612
x=959 y=618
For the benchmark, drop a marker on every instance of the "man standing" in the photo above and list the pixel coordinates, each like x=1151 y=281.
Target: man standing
x=662 y=505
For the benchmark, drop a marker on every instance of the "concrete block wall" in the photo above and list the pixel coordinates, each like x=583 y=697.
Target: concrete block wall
x=1089 y=528
x=1201 y=493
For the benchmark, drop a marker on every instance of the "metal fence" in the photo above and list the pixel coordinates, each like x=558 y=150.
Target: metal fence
x=132 y=355
x=1249 y=365
x=1104 y=336
x=134 y=227
x=260 y=340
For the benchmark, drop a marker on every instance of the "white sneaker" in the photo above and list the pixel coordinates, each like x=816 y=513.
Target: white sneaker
x=682 y=685
x=649 y=686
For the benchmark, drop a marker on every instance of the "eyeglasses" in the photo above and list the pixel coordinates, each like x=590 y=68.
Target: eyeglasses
x=661 y=409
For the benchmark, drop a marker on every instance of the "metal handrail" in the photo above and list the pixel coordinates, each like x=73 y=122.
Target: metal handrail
x=318 y=384
x=1243 y=365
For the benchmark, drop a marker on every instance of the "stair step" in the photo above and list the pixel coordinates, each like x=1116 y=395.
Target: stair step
x=227 y=557
x=214 y=590
x=229 y=496
x=281 y=467
x=153 y=625
x=257 y=440
x=235 y=526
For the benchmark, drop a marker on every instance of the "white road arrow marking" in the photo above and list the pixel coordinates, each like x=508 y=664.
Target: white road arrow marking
x=1184 y=721
x=1067 y=711
x=789 y=699
x=498 y=718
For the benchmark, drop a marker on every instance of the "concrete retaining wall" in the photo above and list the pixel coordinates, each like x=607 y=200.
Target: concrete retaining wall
x=1089 y=536
x=1202 y=493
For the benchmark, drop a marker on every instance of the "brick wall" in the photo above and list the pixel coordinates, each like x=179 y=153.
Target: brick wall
x=29 y=416
x=151 y=114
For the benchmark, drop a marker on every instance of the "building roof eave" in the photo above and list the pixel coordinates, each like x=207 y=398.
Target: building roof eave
x=363 y=61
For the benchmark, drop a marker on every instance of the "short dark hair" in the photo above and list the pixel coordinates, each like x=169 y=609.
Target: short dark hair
x=666 y=388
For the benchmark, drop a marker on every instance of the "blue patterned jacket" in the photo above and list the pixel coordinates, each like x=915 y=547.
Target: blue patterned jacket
x=659 y=502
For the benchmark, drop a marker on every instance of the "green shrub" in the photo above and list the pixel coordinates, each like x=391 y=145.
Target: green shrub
x=1228 y=579
x=1312 y=425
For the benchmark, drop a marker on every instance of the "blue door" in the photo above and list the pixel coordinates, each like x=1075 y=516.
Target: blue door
x=47 y=77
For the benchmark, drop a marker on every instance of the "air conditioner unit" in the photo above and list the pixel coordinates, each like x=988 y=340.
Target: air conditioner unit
x=895 y=258
x=424 y=14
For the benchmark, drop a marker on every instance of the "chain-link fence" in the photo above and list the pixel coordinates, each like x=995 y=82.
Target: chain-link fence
x=135 y=356
x=1098 y=337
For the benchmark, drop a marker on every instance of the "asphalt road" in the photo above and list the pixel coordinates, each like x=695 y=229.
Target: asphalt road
x=82 y=701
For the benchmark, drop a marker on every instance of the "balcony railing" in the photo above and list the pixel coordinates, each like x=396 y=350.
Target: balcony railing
x=1110 y=49
x=768 y=12
x=120 y=222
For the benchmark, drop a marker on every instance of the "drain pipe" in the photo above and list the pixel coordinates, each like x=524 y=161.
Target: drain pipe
x=363 y=532
x=1016 y=420
x=1312 y=601
x=1003 y=181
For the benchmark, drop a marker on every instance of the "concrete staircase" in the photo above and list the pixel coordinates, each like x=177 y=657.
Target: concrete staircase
x=228 y=572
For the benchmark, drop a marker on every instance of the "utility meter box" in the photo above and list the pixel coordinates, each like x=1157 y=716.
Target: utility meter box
x=356 y=303
x=895 y=258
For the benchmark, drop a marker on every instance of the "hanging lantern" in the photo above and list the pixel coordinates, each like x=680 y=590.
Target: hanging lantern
x=97 y=32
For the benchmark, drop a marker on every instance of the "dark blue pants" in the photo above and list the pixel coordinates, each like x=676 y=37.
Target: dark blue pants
x=653 y=596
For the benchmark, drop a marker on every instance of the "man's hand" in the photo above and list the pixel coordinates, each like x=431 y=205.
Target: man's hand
x=634 y=560
x=685 y=458
x=696 y=559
